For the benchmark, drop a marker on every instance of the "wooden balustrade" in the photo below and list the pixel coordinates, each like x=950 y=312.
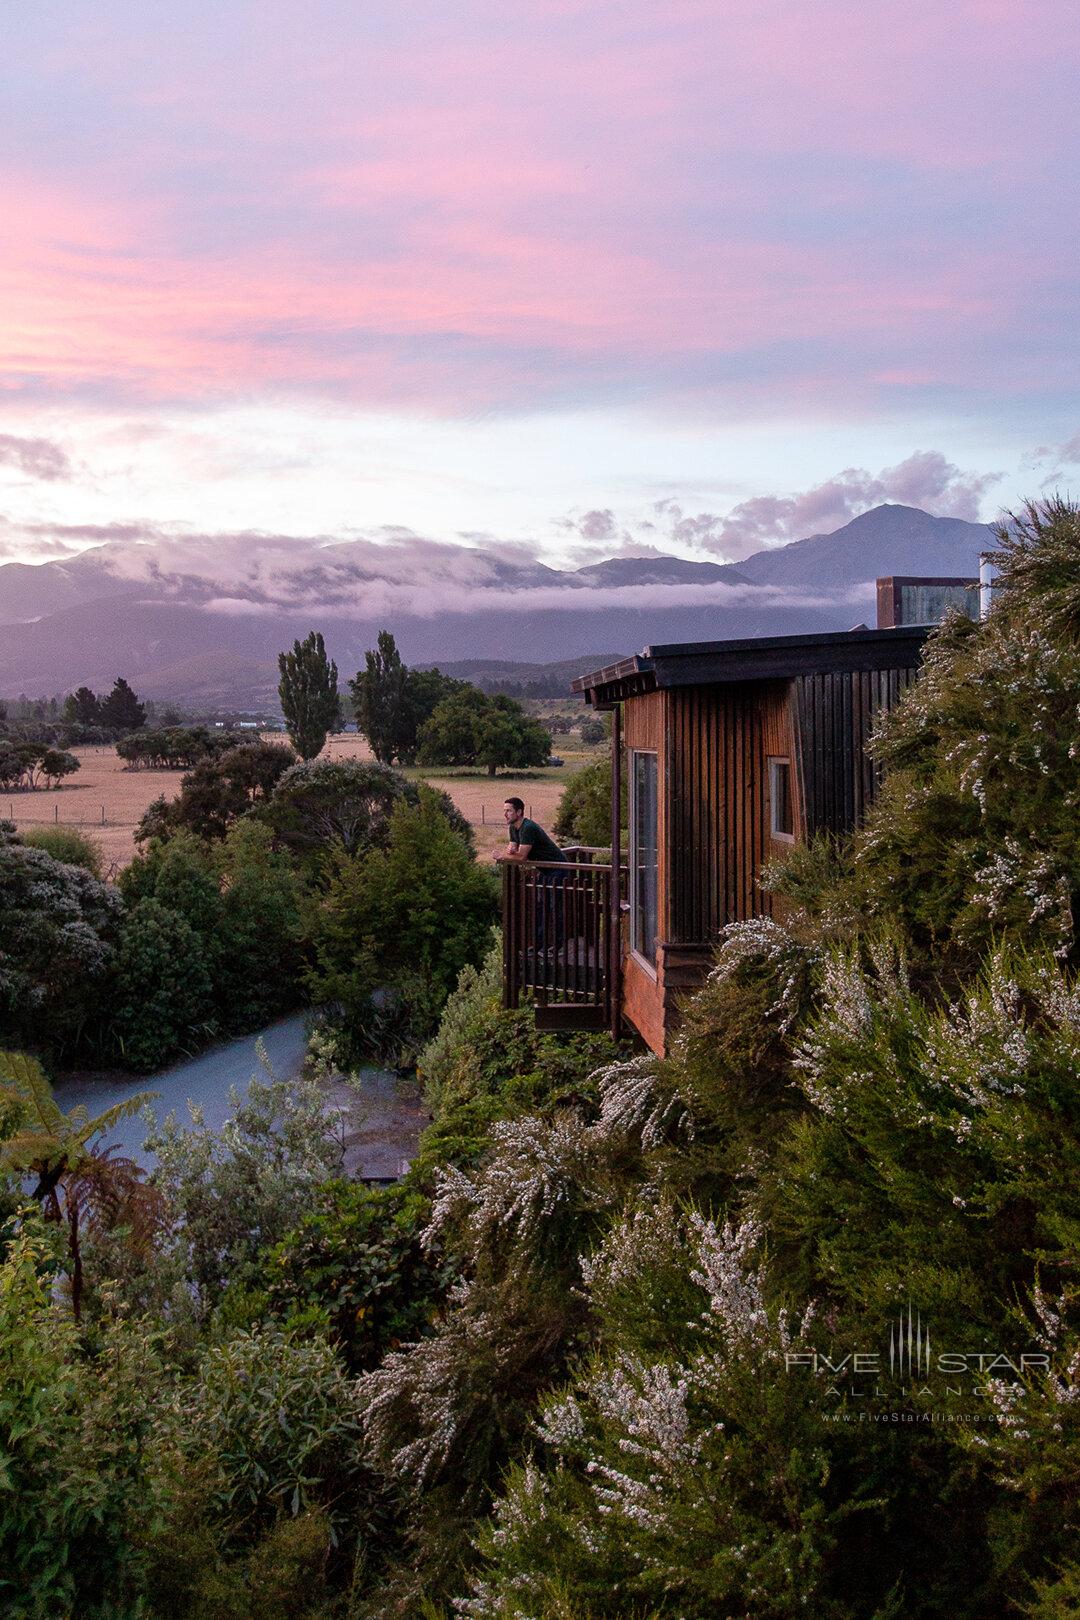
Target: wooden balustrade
x=559 y=947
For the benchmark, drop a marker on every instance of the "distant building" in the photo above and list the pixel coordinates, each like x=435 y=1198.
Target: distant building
x=905 y=599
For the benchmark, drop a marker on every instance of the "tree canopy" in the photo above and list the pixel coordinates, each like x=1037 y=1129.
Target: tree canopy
x=391 y=702
x=309 y=694
x=470 y=727
x=121 y=709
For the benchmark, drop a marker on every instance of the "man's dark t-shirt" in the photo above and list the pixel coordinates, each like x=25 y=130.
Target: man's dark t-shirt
x=542 y=847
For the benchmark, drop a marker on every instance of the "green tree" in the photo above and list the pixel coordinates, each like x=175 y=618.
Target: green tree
x=217 y=792
x=58 y=931
x=83 y=707
x=346 y=803
x=164 y=993
x=56 y=763
x=403 y=920
x=584 y=812
x=309 y=694
x=121 y=710
x=470 y=727
x=76 y=1422
x=380 y=701
x=74 y=1181
x=392 y=702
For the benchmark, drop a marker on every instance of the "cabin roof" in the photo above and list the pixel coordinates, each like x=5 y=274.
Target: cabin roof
x=705 y=663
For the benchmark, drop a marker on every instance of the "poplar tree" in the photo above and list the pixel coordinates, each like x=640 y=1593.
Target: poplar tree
x=308 y=693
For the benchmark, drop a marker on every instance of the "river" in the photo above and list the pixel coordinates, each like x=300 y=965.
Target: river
x=384 y=1120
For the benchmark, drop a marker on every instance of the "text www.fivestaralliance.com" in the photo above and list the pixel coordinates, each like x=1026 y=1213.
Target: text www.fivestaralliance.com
x=908 y=1417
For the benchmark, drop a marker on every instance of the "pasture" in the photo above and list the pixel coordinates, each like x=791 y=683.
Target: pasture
x=106 y=799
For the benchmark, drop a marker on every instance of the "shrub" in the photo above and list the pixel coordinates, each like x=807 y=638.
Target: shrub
x=66 y=844
x=76 y=1423
x=222 y=787
x=234 y=1192
x=484 y=1052
x=239 y=898
x=264 y=1496
x=356 y=1259
x=324 y=805
x=584 y=813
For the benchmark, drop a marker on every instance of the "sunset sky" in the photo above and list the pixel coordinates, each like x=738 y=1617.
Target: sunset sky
x=572 y=276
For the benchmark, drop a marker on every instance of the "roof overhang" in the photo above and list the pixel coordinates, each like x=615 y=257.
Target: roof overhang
x=759 y=658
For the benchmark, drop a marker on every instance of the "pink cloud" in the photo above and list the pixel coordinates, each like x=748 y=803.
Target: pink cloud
x=468 y=208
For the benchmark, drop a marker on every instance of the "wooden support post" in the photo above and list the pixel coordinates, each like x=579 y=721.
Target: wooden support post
x=615 y=887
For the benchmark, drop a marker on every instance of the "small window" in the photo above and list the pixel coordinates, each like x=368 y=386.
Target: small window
x=781 y=814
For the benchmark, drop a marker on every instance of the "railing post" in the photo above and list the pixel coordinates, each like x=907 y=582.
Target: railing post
x=614 y=975
x=509 y=933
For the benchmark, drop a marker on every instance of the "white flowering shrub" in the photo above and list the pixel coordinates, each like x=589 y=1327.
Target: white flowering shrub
x=690 y=1485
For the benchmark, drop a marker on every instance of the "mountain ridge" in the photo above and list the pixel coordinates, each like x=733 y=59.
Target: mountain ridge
x=217 y=641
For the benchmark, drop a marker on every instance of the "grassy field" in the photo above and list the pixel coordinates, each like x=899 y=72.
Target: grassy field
x=107 y=799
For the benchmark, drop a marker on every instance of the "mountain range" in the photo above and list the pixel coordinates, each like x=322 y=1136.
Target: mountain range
x=195 y=636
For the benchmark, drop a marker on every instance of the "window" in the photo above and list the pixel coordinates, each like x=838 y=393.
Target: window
x=781 y=814
x=644 y=840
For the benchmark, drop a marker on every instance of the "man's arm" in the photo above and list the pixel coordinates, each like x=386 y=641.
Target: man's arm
x=514 y=852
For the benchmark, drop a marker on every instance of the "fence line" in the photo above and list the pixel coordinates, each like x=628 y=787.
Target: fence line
x=105 y=820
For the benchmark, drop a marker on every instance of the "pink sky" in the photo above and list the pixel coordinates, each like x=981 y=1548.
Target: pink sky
x=705 y=229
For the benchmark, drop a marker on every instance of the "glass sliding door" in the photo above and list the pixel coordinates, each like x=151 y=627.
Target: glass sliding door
x=644 y=843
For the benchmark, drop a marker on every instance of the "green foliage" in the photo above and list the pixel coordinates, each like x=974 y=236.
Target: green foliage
x=264 y=1494
x=402 y=921
x=57 y=945
x=121 y=709
x=239 y=898
x=308 y=693
x=89 y=1189
x=584 y=813
x=75 y=1445
x=30 y=765
x=163 y=986
x=469 y=727
x=974 y=836
x=230 y=1194
x=356 y=1261
x=83 y=707
x=483 y=1051
x=392 y=702
x=342 y=802
x=280 y=1418
x=69 y=845
x=222 y=787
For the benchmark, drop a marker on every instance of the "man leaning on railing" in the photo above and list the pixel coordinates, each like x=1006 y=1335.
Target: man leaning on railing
x=529 y=842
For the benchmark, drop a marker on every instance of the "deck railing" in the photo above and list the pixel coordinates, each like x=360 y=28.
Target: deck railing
x=558 y=943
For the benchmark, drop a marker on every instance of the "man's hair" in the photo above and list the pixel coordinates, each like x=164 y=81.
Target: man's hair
x=518 y=804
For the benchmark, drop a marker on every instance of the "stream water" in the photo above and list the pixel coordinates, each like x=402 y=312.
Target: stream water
x=384 y=1118
x=204 y=1080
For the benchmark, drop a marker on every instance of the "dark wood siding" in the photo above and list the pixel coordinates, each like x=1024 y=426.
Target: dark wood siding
x=835 y=715
x=718 y=827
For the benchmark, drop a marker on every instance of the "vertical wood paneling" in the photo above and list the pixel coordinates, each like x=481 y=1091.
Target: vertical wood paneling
x=836 y=715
